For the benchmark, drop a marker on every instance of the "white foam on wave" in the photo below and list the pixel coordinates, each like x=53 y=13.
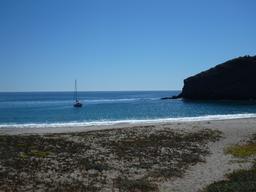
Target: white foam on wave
x=107 y=122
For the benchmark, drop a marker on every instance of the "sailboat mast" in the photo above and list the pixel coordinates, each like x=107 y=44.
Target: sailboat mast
x=75 y=90
x=76 y=103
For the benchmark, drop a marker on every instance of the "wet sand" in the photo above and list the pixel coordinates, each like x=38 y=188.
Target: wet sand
x=218 y=124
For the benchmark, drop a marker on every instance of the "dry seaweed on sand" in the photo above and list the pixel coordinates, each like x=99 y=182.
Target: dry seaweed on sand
x=132 y=159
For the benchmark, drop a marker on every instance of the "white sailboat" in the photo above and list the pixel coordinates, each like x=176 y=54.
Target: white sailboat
x=77 y=103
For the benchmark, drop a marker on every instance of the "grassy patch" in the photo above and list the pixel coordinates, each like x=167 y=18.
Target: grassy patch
x=35 y=153
x=91 y=164
x=242 y=180
x=239 y=181
x=140 y=185
x=242 y=150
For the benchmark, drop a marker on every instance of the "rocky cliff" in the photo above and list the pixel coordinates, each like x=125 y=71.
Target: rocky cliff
x=232 y=80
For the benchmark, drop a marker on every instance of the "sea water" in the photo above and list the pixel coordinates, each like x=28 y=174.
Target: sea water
x=44 y=109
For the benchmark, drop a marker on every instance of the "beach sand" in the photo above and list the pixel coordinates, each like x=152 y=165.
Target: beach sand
x=115 y=145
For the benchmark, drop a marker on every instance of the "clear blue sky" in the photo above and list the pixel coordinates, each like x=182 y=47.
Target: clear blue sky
x=119 y=44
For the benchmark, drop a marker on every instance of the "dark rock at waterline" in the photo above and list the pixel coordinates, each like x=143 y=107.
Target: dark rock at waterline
x=232 y=80
x=172 y=97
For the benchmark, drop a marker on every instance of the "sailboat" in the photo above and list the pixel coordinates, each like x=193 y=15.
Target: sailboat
x=77 y=103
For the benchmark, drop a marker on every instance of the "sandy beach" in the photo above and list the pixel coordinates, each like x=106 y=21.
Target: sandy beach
x=180 y=156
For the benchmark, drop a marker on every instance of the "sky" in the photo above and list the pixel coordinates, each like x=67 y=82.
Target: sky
x=113 y=45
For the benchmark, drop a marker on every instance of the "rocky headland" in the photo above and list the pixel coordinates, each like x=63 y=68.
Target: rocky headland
x=232 y=80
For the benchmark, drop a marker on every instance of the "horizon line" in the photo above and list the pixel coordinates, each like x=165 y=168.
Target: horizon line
x=90 y=91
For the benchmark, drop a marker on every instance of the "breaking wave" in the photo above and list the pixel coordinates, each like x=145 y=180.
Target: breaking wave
x=131 y=121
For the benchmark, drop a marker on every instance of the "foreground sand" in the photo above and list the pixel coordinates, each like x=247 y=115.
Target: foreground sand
x=210 y=162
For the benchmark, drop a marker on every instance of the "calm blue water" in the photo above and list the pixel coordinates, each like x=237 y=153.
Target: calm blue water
x=42 y=108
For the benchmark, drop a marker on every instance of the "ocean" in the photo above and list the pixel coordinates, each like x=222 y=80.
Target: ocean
x=46 y=109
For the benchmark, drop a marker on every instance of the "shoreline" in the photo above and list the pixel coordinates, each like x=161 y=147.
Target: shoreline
x=129 y=121
x=72 y=129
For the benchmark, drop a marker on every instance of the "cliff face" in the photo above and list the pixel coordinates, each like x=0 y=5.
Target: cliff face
x=234 y=79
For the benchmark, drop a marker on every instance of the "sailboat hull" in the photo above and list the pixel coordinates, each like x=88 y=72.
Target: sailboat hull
x=78 y=104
